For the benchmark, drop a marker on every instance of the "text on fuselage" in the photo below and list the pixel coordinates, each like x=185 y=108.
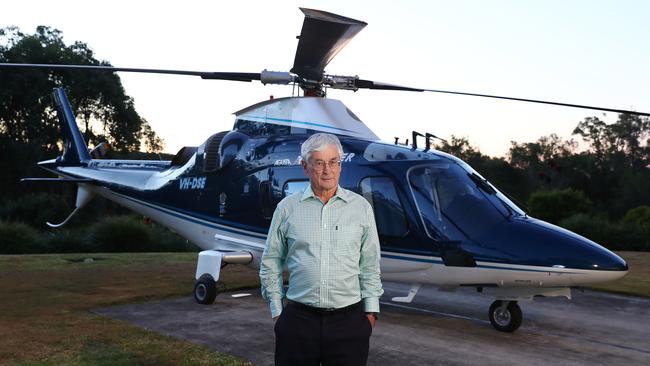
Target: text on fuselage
x=192 y=183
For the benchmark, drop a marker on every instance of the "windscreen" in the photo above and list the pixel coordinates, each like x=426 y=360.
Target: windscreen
x=452 y=204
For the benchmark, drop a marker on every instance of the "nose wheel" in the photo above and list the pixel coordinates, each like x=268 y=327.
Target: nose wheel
x=505 y=316
x=205 y=290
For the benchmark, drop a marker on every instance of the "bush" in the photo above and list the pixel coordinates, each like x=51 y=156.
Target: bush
x=36 y=208
x=69 y=241
x=165 y=240
x=18 y=238
x=112 y=234
x=556 y=205
x=122 y=234
x=597 y=229
x=639 y=216
x=614 y=236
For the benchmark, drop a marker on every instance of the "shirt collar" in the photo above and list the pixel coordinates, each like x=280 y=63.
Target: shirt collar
x=340 y=193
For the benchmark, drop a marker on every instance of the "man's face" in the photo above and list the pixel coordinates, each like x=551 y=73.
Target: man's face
x=323 y=169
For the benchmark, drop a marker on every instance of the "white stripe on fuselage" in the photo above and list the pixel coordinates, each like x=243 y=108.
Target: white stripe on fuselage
x=409 y=268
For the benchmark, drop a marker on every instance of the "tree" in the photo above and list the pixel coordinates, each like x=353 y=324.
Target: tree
x=619 y=156
x=97 y=98
x=555 y=205
x=496 y=170
x=625 y=142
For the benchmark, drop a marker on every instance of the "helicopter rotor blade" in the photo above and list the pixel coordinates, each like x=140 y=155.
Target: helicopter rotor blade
x=234 y=76
x=369 y=84
x=322 y=36
x=376 y=85
x=541 y=102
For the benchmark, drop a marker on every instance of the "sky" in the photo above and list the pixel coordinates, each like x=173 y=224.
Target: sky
x=573 y=51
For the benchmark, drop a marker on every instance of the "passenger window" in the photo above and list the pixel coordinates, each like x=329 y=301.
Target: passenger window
x=293 y=187
x=389 y=214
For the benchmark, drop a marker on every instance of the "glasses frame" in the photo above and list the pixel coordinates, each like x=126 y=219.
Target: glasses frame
x=319 y=165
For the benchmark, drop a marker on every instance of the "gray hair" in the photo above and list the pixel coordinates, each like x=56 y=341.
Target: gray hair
x=318 y=142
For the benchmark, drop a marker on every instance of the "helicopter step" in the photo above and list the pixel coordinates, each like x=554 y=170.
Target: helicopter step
x=208 y=269
x=408 y=298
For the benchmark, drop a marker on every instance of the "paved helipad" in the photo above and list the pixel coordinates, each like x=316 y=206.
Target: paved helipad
x=436 y=328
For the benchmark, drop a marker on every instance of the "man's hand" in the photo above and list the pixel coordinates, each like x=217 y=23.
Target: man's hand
x=275 y=319
x=371 y=319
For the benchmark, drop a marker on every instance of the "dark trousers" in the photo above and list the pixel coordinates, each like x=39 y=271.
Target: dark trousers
x=305 y=336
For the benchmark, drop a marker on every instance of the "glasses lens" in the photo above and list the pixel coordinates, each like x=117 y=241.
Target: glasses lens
x=320 y=165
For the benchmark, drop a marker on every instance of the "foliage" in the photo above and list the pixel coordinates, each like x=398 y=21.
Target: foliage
x=26 y=113
x=18 y=238
x=544 y=162
x=625 y=142
x=555 y=205
x=17 y=160
x=614 y=236
x=68 y=241
x=35 y=209
x=497 y=170
x=638 y=215
x=129 y=233
x=121 y=234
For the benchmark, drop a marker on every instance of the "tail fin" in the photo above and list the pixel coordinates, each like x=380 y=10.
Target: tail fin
x=75 y=150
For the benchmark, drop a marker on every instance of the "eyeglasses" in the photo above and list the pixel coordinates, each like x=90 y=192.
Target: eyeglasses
x=319 y=165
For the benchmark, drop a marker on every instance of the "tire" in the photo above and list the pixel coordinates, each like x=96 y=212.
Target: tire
x=205 y=290
x=505 y=320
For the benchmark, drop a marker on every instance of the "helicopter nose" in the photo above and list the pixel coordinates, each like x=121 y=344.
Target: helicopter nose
x=582 y=253
x=529 y=241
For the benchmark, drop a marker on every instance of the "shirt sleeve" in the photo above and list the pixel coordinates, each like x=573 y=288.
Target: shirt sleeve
x=369 y=274
x=272 y=263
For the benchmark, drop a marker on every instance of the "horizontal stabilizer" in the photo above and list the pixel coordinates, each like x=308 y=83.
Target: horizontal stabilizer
x=59 y=180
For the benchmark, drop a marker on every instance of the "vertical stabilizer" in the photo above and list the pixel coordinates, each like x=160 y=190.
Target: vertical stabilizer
x=75 y=150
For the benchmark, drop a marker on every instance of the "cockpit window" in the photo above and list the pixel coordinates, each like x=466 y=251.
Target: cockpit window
x=451 y=203
x=389 y=215
x=379 y=151
x=258 y=129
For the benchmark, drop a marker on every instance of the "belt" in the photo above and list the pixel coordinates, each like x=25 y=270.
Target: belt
x=322 y=311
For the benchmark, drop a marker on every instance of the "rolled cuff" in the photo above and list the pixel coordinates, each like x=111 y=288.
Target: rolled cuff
x=276 y=307
x=371 y=304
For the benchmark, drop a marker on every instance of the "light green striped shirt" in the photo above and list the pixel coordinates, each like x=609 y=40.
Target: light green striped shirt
x=331 y=252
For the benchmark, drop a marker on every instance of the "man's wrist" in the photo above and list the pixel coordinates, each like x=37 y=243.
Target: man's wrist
x=374 y=315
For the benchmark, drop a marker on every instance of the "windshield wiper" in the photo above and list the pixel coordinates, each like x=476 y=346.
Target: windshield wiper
x=482 y=183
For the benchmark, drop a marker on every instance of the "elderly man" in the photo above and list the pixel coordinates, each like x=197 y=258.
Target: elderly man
x=327 y=238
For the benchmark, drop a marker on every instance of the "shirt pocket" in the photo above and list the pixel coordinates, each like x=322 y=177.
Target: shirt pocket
x=348 y=243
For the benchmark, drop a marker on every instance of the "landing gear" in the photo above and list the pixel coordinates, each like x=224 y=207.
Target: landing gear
x=205 y=290
x=208 y=269
x=505 y=316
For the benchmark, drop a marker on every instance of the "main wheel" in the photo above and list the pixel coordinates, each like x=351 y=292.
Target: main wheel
x=205 y=290
x=505 y=318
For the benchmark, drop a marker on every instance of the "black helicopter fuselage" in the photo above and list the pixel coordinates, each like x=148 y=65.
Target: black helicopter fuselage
x=439 y=221
x=427 y=203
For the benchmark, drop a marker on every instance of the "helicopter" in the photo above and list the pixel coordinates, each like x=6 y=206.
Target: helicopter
x=440 y=222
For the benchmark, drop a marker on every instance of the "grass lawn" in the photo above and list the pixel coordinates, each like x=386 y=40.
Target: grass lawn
x=45 y=302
